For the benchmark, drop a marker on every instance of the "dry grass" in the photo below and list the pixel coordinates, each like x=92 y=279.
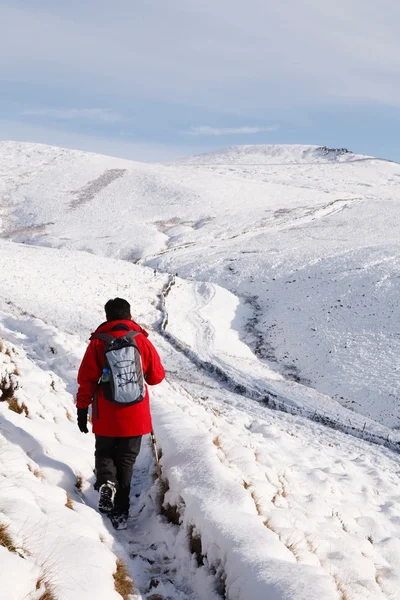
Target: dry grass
x=343 y=593
x=122 y=581
x=267 y=524
x=69 y=502
x=69 y=416
x=343 y=524
x=245 y=484
x=16 y=407
x=6 y=539
x=217 y=442
x=295 y=548
x=8 y=387
x=79 y=483
x=37 y=472
x=257 y=503
x=5 y=350
x=48 y=593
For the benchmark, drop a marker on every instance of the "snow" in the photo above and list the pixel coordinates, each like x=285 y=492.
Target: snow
x=318 y=228
x=279 y=154
x=282 y=317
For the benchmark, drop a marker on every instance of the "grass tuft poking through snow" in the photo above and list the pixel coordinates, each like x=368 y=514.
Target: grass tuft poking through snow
x=48 y=593
x=18 y=408
x=69 y=502
x=6 y=539
x=79 y=483
x=122 y=581
x=8 y=387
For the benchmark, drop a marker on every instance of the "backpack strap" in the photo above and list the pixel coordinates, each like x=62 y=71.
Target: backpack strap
x=104 y=337
x=109 y=339
x=131 y=334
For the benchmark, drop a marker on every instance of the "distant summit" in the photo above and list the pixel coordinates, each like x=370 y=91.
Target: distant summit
x=278 y=154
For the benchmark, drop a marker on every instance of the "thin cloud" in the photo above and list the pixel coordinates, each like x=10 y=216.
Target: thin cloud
x=207 y=130
x=104 y=115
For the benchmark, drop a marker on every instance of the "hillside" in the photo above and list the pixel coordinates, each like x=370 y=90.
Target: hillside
x=271 y=291
x=307 y=242
x=263 y=155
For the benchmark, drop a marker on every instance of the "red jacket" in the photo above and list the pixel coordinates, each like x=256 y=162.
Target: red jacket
x=109 y=419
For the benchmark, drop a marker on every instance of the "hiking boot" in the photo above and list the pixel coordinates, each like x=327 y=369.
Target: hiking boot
x=119 y=520
x=106 y=497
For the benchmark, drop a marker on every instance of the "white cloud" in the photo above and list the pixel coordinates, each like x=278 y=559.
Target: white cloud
x=207 y=130
x=213 y=54
x=104 y=115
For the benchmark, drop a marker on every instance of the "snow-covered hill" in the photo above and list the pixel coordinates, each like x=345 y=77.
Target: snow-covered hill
x=306 y=238
x=273 y=297
x=273 y=155
x=253 y=503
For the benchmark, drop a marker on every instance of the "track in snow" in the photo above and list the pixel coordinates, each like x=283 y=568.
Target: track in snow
x=263 y=395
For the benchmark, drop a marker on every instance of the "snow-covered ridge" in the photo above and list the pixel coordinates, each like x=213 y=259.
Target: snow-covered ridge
x=279 y=154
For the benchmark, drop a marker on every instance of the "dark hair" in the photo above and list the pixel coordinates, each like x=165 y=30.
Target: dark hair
x=117 y=309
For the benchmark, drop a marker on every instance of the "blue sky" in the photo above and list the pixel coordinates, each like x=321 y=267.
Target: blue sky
x=160 y=79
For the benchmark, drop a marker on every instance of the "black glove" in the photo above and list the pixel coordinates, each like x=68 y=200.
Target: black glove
x=82 y=419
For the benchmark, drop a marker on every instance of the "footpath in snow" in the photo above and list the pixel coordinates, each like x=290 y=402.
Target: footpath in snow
x=252 y=503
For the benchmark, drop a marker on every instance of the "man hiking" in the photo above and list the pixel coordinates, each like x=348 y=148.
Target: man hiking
x=118 y=363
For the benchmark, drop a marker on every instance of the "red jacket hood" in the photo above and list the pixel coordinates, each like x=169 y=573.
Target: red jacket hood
x=108 y=326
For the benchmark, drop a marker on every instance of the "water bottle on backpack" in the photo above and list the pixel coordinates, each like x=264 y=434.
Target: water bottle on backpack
x=105 y=378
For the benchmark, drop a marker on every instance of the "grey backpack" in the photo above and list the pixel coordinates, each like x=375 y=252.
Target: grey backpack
x=122 y=380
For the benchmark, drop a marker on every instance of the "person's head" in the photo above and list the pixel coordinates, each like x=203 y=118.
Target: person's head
x=117 y=309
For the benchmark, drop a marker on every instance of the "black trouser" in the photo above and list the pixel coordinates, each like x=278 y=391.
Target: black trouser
x=115 y=457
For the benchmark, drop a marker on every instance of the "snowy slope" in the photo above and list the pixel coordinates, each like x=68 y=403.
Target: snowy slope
x=265 y=504
x=304 y=237
x=272 y=155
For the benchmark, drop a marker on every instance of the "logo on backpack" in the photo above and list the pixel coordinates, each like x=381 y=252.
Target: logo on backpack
x=122 y=380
